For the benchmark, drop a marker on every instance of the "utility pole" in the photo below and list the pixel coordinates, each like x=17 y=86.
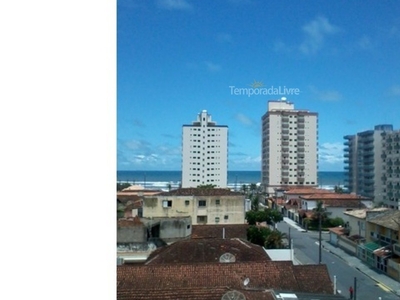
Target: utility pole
x=355 y=288
x=320 y=239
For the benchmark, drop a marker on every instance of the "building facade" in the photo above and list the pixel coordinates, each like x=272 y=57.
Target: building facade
x=363 y=158
x=204 y=206
x=289 y=146
x=391 y=169
x=204 y=153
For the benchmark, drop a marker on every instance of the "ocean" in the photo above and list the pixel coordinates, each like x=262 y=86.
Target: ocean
x=161 y=179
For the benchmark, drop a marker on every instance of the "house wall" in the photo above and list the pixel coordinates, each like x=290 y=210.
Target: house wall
x=347 y=245
x=357 y=226
x=336 y=212
x=132 y=234
x=175 y=228
x=230 y=210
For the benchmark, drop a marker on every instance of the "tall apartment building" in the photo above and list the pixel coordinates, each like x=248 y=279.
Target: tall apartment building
x=363 y=159
x=204 y=153
x=289 y=146
x=391 y=169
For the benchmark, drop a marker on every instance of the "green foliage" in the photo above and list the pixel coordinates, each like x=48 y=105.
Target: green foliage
x=338 y=189
x=255 y=202
x=257 y=235
x=335 y=222
x=265 y=237
x=268 y=215
x=275 y=240
x=206 y=186
x=121 y=186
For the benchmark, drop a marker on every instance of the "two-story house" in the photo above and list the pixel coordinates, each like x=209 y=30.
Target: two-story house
x=203 y=205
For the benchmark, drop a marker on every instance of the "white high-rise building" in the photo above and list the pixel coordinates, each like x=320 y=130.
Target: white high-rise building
x=289 y=146
x=204 y=153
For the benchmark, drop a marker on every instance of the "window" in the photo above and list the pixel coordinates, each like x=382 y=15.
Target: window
x=201 y=219
x=186 y=202
x=217 y=202
x=167 y=203
x=202 y=203
x=216 y=219
x=226 y=217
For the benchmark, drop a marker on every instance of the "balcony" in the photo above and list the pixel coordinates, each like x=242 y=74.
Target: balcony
x=300 y=126
x=300 y=131
x=300 y=143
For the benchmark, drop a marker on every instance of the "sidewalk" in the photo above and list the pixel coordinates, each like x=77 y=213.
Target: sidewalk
x=384 y=281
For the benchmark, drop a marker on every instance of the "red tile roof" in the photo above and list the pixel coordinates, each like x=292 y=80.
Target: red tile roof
x=216 y=231
x=131 y=222
x=201 y=192
x=207 y=251
x=166 y=280
x=335 y=196
x=306 y=191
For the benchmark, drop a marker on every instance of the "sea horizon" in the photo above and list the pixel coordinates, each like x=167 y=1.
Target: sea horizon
x=162 y=179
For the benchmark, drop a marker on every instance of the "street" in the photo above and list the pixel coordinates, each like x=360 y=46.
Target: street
x=306 y=251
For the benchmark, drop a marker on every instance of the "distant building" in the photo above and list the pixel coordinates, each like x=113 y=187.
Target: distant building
x=363 y=158
x=204 y=206
x=391 y=169
x=289 y=146
x=204 y=153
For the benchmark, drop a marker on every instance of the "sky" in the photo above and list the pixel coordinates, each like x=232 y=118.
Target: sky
x=176 y=58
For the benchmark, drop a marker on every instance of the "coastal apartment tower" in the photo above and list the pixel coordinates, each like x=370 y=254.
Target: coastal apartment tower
x=289 y=146
x=370 y=158
x=204 y=153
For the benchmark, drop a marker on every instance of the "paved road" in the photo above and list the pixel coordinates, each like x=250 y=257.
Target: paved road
x=306 y=251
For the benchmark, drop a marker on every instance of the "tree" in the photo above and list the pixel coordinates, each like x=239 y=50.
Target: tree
x=254 y=202
x=121 y=186
x=244 y=189
x=338 y=189
x=270 y=216
x=206 y=186
x=169 y=186
x=275 y=240
x=253 y=188
x=258 y=235
x=319 y=212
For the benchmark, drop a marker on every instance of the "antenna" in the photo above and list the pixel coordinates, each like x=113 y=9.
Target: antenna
x=233 y=295
x=246 y=281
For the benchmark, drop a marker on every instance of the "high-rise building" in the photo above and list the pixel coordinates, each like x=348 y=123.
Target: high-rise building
x=391 y=169
x=364 y=163
x=204 y=153
x=289 y=146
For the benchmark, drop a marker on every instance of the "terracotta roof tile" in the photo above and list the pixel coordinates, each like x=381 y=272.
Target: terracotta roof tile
x=143 y=281
x=131 y=222
x=216 y=231
x=335 y=196
x=306 y=191
x=201 y=192
x=207 y=251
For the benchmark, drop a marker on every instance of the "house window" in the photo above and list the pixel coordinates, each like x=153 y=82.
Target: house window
x=217 y=202
x=186 y=202
x=201 y=219
x=216 y=219
x=167 y=203
x=226 y=217
x=202 y=203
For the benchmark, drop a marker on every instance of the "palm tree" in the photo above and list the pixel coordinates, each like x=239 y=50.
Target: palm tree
x=253 y=188
x=244 y=189
x=320 y=214
x=275 y=240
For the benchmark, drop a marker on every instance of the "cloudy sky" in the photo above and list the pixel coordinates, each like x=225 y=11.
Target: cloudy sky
x=178 y=57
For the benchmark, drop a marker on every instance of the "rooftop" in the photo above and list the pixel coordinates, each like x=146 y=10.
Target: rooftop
x=306 y=191
x=216 y=231
x=362 y=213
x=388 y=219
x=335 y=196
x=212 y=281
x=201 y=192
x=208 y=251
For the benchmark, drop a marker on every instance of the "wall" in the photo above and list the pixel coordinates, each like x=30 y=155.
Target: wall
x=137 y=233
x=184 y=206
x=175 y=228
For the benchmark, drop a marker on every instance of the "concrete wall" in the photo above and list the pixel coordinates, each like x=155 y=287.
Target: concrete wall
x=175 y=228
x=132 y=234
x=230 y=210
